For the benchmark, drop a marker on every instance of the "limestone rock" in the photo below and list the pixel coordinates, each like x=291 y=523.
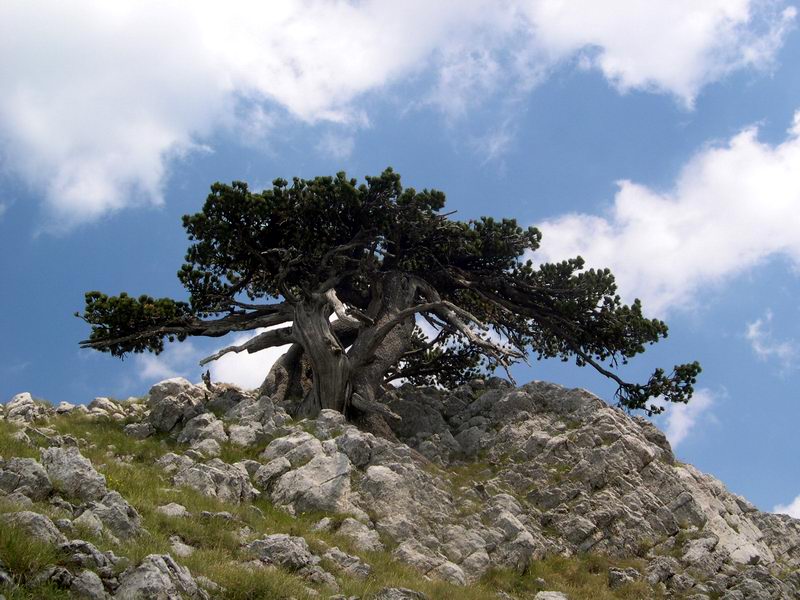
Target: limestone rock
x=87 y=585
x=72 y=474
x=174 y=402
x=266 y=474
x=158 y=577
x=173 y=510
x=352 y=565
x=116 y=514
x=37 y=526
x=363 y=538
x=399 y=594
x=25 y=476
x=298 y=448
x=323 y=484
x=217 y=479
x=287 y=551
x=23 y=408
x=203 y=427
x=139 y=431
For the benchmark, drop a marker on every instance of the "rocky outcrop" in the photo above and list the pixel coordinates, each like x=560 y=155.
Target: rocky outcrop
x=483 y=476
x=72 y=474
x=158 y=577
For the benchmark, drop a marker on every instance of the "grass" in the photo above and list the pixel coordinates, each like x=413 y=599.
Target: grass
x=219 y=554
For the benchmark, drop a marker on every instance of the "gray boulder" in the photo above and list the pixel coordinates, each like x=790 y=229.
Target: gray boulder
x=399 y=594
x=72 y=474
x=158 y=577
x=217 y=479
x=173 y=402
x=23 y=408
x=352 y=565
x=25 y=476
x=117 y=515
x=203 y=427
x=363 y=538
x=37 y=526
x=282 y=550
x=87 y=585
x=323 y=484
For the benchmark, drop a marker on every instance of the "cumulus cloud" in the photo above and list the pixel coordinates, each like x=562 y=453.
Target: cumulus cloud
x=182 y=360
x=792 y=509
x=177 y=360
x=733 y=206
x=246 y=370
x=759 y=334
x=98 y=98
x=681 y=419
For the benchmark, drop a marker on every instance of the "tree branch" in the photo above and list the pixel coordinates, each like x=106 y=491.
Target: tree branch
x=268 y=339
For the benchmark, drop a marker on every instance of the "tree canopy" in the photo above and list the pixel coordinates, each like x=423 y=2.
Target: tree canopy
x=345 y=272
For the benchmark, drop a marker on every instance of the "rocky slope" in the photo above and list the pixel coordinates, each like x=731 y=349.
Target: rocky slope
x=486 y=491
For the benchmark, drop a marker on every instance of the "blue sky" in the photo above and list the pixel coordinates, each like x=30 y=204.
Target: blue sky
x=657 y=138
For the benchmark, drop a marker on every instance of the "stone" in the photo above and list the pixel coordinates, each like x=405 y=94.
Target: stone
x=298 y=448
x=23 y=408
x=267 y=474
x=399 y=594
x=245 y=435
x=287 y=551
x=204 y=426
x=323 y=484
x=88 y=585
x=550 y=596
x=217 y=479
x=619 y=577
x=179 y=548
x=173 y=510
x=329 y=423
x=25 y=476
x=158 y=577
x=352 y=565
x=89 y=522
x=139 y=431
x=251 y=466
x=72 y=474
x=36 y=526
x=362 y=537
x=64 y=408
x=104 y=404
x=117 y=515
x=86 y=555
x=174 y=402
x=208 y=448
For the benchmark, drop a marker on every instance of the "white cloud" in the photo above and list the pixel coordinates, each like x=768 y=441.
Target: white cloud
x=3 y=208
x=792 y=509
x=733 y=206
x=98 y=97
x=177 y=360
x=245 y=370
x=336 y=146
x=681 y=419
x=182 y=360
x=759 y=334
x=676 y=47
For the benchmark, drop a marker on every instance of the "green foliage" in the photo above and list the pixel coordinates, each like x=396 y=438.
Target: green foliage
x=254 y=253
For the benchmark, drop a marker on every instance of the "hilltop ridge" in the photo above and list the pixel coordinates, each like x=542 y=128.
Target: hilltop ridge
x=483 y=491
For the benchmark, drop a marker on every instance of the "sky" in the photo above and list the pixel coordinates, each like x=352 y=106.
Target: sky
x=659 y=138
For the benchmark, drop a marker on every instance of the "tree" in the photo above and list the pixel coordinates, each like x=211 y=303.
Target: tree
x=342 y=272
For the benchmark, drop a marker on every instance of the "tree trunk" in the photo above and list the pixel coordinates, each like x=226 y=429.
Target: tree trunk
x=348 y=381
x=331 y=387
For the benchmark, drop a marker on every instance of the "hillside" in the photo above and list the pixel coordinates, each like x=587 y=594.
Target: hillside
x=485 y=491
